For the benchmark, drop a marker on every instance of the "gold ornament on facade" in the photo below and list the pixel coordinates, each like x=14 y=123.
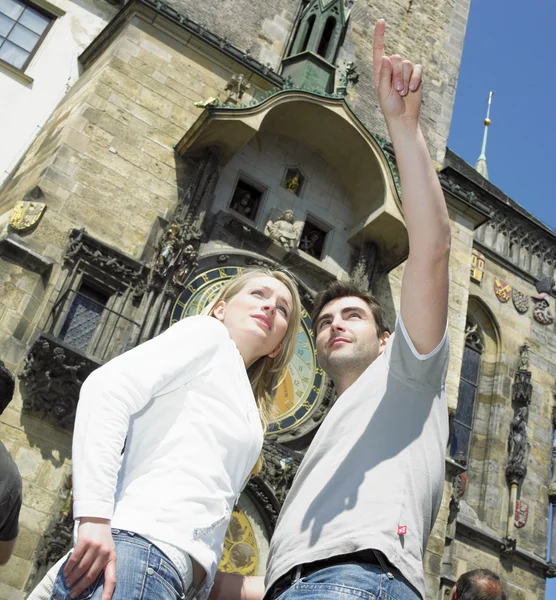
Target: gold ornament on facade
x=27 y=212
x=240 y=553
x=477 y=266
x=503 y=290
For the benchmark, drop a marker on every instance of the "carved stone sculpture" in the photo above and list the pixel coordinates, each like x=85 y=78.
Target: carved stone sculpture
x=236 y=87
x=518 y=447
x=284 y=230
x=552 y=484
x=51 y=381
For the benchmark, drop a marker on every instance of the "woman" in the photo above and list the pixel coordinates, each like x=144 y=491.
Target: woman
x=191 y=407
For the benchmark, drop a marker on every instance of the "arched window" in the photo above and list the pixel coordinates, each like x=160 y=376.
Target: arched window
x=327 y=32
x=308 y=32
x=462 y=421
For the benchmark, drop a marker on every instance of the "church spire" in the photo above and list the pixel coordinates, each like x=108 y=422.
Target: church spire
x=481 y=164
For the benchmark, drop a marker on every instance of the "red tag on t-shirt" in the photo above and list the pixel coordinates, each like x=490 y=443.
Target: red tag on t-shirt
x=402 y=529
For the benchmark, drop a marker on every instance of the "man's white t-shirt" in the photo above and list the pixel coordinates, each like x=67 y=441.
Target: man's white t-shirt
x=375 y=468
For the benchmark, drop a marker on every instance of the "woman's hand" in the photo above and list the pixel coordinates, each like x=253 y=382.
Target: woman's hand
x=94 y=553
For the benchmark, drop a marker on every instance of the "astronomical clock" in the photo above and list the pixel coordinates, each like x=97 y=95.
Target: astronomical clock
x=301 y=400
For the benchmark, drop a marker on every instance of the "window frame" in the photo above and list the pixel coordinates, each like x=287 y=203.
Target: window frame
x=47 y=13
x=474 y=342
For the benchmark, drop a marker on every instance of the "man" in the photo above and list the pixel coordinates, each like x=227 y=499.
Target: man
x=357 y=518
x=10 y=479
x=480 y=584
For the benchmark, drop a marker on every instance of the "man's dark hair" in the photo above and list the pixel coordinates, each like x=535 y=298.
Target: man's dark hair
x=480 y=584
x=7 y=386
x=342 y=289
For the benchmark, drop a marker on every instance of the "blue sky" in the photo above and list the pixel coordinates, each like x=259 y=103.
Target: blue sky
x=510 y=48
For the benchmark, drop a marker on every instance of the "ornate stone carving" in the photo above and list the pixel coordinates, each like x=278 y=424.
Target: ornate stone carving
x=264 y=498
x=348 y=76
x=284 y=230
x=552 y=484
x=59 y=538
x=508 y=546
x=236 y=87
x=518 y=447
x=280 y=467
x=175 y=255
x=524 y=357
x=459 y=485
x=474 y=336
x=364 y=272
x=51 y=379
x=82 y=246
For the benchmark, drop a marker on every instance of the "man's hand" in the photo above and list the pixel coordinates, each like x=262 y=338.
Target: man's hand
x=94 y=553
x=397 y=82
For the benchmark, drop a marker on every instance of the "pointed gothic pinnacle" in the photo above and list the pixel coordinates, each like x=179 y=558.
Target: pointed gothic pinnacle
x=481 y=164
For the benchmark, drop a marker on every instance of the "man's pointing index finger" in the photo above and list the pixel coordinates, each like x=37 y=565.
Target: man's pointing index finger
x=378 y=48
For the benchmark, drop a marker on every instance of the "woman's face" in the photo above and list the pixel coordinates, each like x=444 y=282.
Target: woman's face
x=257 y=317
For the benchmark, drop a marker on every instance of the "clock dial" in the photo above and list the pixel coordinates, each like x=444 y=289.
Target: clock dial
x=302 y=383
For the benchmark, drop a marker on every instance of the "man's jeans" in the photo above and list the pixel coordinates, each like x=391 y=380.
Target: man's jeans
x=350 y=581
x=143 y=572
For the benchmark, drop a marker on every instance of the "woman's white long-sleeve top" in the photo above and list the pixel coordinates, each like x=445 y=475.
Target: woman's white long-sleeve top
x=184 y=407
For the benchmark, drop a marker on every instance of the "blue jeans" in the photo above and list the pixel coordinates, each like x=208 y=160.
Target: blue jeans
x=351 y=581
x=143 y=572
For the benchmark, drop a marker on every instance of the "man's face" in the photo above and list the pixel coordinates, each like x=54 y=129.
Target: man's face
x=346 y=336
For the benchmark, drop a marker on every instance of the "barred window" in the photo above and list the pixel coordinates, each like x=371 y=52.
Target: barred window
x=22 y=29
x=83 y=317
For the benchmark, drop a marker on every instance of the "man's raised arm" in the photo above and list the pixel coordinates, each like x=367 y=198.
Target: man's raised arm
x=424 y=295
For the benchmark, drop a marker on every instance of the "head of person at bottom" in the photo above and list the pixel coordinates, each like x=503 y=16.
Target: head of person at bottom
x=480 y=584
x=262 y=312
x=351 y=331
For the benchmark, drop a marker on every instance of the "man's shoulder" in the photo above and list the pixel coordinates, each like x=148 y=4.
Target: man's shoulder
x=9 y=473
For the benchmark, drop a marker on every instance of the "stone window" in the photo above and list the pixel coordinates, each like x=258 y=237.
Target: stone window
x=313 y=238
x=462 y=422
x=83 y=317
x=23 y=27
x=247 y=199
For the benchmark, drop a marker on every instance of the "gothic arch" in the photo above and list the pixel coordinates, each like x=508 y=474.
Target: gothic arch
x=490 y=400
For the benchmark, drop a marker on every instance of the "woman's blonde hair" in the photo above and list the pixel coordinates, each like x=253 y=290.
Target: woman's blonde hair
x=266 y=373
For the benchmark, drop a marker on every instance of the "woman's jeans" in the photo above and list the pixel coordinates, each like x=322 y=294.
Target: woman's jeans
x=143 y=572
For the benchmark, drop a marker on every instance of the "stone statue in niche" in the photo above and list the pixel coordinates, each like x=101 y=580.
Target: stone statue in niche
x=293 y=183
x=518 y=446
x=236 y=87
x=524 y=357
x=242 y=204
x=552 y=484
x=284 y=230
